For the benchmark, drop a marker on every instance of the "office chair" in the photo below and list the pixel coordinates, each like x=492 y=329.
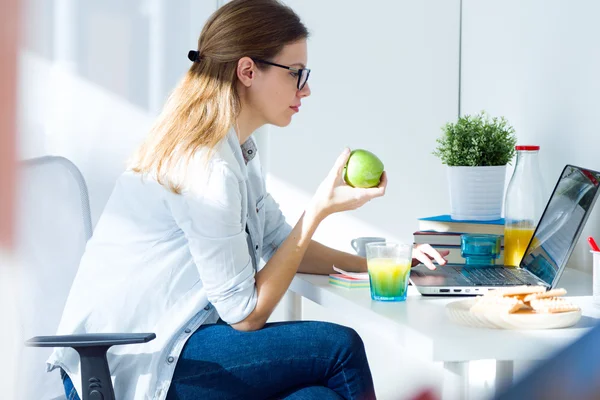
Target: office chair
x=53 y=227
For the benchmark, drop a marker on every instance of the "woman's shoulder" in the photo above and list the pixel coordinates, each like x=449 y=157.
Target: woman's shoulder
x=221 y=160
x=207 y=171
x=225 y=158
x=205 y=168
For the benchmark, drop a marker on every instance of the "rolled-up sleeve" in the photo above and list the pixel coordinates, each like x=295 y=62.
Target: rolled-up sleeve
x=211 y=220
x=276 y=228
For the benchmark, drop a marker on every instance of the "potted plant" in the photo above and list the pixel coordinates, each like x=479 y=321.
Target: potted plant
x=476 y=150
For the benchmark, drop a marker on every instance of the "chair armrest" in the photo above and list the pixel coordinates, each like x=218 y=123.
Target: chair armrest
x=92 y=347
x=90 y=340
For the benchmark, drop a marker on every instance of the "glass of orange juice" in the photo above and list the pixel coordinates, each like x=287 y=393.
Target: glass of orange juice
x=389 y=268
x=516 y=240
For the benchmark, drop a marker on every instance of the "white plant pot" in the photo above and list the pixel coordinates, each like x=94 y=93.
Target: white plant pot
x=476 y=193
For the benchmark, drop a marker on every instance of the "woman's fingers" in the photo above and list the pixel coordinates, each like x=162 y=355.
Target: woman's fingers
x=433 y=253
x=383 y=181
x=422 y=257
x=425 y=253
x=340 y=163
x=336 y=195
x=444 y=254
x=378 y=191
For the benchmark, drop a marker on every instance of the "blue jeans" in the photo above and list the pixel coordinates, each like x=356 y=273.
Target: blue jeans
x=284 y=360
x=70 y=391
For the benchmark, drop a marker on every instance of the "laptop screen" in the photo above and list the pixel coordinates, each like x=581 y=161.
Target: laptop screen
x=561 y=223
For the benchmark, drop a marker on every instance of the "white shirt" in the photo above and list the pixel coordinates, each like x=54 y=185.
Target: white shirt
x=167 y=263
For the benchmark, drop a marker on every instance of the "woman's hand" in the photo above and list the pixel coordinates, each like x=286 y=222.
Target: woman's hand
x=424 y=253
x=335 y=195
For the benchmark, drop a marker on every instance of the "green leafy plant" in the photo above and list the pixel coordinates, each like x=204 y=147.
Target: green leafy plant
x=477 y=141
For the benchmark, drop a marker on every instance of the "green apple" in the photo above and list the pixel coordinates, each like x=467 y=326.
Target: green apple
x=363 y=169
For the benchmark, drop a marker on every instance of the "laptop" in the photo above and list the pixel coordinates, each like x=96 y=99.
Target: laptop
x=546 y=255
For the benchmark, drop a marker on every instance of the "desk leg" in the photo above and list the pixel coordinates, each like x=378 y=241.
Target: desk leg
x=504 y=374
x=462 y=370
x=292 y=306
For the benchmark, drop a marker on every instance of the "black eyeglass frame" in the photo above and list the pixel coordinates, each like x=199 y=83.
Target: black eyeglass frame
x=299 y=71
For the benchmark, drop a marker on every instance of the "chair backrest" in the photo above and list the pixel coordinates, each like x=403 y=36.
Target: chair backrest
x=53 y=227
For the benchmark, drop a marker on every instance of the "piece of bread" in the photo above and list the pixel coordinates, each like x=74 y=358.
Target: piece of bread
x=544 y=295
x=552 y=305
x=535 y=299
x=516 y=291
x=497 y=304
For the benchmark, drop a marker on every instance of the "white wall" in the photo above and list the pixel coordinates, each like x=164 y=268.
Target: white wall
x=537 y=63
x=384 y=78
x=93 y=75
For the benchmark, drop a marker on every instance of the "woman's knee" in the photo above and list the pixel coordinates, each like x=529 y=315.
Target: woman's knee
x=343 y=336
x=349 y=337
x=312 y=392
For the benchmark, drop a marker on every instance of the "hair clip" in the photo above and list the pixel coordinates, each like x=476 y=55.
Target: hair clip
x=194 y=56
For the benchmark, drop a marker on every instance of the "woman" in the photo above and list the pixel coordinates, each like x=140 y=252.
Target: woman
x=176 y=250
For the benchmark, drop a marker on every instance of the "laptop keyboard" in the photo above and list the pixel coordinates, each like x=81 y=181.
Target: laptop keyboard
x=490 y=276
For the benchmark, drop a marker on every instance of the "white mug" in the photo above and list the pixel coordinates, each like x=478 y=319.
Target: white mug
x=359 y=244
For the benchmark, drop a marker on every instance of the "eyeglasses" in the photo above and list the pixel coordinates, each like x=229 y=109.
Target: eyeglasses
x=302 y=73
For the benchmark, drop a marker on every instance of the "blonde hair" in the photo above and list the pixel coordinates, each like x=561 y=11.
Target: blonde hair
x=205 y=104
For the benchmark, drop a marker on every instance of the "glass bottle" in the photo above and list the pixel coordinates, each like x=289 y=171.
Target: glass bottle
x=523 y=204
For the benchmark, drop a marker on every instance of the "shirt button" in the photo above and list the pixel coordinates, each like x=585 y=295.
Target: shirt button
x=188 y=330
x=206 y=308
x=256 y=247
x=170 y=359
x=257 y=210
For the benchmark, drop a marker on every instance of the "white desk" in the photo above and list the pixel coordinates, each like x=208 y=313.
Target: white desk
x=421 y=326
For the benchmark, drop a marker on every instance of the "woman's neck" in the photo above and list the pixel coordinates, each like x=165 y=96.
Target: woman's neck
x=246 y=123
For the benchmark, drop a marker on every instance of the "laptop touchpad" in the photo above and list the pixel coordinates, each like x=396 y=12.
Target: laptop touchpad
x=422 y=270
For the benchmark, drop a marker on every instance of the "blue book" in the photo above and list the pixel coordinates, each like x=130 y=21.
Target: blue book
x=443 y=223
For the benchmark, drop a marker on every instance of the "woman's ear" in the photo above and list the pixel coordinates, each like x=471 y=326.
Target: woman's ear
x=246 y=71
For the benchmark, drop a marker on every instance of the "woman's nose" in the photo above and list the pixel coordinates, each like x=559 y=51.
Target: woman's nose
x=305 y=92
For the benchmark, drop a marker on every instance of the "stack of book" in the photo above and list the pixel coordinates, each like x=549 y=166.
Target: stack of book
x=443 y=233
